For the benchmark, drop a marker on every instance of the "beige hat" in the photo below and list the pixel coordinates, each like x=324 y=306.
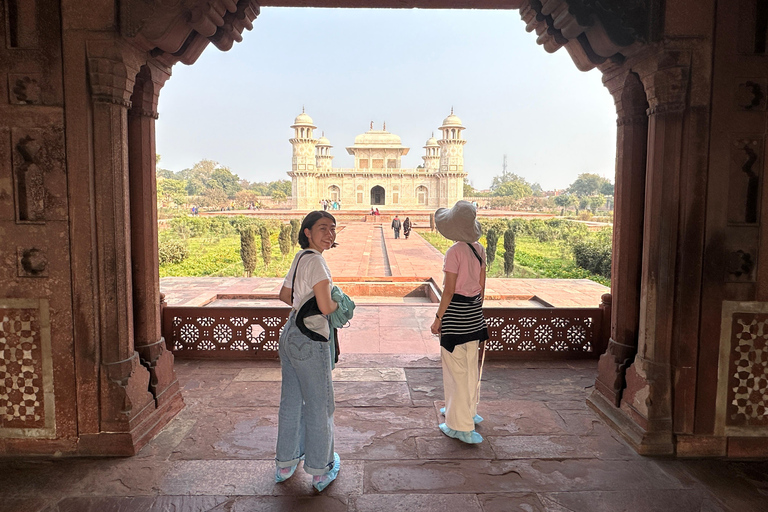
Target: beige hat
x=459 y=223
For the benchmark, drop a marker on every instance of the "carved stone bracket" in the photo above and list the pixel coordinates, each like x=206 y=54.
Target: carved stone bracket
x=112 y=69
x=667 y=87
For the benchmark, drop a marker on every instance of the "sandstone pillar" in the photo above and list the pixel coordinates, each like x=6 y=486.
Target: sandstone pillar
x=631 y=147
x=647 y=397
x=125 y=400
x=148 y=341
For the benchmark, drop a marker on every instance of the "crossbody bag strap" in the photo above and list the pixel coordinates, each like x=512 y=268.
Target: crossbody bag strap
x=295 y=270
x=474 y=251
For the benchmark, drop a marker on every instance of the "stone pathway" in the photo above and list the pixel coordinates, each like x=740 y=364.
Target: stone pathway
x=544 y=450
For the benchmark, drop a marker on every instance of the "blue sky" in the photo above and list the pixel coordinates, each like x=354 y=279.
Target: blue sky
x=403 y=67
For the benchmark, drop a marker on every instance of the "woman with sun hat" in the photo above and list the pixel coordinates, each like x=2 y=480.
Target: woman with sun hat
x=459 y=319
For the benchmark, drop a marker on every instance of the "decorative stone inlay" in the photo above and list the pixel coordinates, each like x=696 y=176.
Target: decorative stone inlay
x=742 y=407
x=31 y=262
x=24 y=89
x=26 y=370
x=750 y=94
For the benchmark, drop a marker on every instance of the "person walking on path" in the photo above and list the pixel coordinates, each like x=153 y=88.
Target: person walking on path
x=459 y=320
x=305 y=418
x=406 y=227
x=396 y=226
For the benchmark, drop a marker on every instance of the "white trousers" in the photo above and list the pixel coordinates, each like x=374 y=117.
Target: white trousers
x=460 y=376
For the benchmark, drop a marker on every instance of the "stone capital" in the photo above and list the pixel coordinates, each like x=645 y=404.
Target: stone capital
x=112 y=70
x=666 y=86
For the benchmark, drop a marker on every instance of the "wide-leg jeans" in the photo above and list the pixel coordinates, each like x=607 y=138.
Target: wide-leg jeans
x=305 y=420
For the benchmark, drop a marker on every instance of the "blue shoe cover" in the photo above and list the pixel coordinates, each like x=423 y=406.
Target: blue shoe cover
x=283 y=474
x=320 y=482
x=467 y=437
x=477 y=419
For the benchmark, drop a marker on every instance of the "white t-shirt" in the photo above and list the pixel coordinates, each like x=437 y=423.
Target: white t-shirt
x=312 y=270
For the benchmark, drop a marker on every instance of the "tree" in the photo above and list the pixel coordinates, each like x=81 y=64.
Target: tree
x=469 y=190
x=511 y=185
x=245 y=197
x=284 y=239
x=295 y=227
x=223 y=178
x=248 y=251
x=509 y=251
x=278 y=196
x=607 y=188
x=596 y=202
x=491 y=240
x=537 y=190
x=587 y=184
x=171 y=190
x=565 y=201
x=266 y=246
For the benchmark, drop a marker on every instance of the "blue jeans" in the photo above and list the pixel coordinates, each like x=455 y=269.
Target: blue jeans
x=305 y=420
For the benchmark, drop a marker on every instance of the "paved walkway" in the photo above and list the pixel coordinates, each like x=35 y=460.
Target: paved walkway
x=544 y=450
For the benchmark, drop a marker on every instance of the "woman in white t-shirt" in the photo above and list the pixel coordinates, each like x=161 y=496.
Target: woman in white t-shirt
x=305 y=420
x=459 y=319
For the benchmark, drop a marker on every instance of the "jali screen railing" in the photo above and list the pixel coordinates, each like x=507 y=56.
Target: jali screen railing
x=515 y=333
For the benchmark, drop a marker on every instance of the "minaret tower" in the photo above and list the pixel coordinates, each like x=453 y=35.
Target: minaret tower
x=432 y=155
x=451 y=145
x=303 y=144
x=323 y=154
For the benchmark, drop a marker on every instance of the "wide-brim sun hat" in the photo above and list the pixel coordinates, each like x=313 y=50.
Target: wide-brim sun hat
x=459 y=223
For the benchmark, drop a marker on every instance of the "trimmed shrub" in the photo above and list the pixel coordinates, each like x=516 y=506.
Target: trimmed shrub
x=284 y=239
x=295 y=227
x=266 y=246
x=491 y=240
x=509 y=251
x=248 y=251
x=171 y=251
x=593 y=254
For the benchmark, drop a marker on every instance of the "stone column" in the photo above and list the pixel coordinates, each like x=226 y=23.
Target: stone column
x=647 y=397
x=629 y=194
x=125 y=399
x=148 y=341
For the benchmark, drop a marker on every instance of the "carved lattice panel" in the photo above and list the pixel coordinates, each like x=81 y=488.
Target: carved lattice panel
x=747 y=399
x=26 y=369
x=556 y=332
x=223 y=332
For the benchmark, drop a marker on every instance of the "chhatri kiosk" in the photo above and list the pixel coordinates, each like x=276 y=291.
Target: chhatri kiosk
x=377 y=180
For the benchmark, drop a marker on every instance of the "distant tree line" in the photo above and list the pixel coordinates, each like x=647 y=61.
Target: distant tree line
x=210 y=185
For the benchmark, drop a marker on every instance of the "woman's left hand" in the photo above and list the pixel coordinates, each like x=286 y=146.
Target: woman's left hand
x=435 y=326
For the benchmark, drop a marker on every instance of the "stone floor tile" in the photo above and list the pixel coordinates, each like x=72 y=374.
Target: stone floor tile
x=642 y=500
x=24 y=505
x=241 y=433
x=40 y=479
x=259 y=375
x=372 y=394
x=368 y=375
x=522 y=502
x=519 y=417
x=426 y=385
x=437 y=446
x=559 y=447
x=312 y=503
x=531 y=475
x=379 y=433
x=417 y=502
x=248 y=394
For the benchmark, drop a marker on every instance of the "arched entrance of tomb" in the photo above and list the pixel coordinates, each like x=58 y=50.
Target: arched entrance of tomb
x=334 y=193
x=377 y=195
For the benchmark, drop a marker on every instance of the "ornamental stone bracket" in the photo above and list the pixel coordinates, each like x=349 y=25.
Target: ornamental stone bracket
x=112 y=70
x=179 y=30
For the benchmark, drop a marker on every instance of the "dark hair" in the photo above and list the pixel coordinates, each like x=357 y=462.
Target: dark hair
x=309 y=221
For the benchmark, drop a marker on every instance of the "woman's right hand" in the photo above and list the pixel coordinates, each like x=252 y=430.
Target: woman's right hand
x=435 y=328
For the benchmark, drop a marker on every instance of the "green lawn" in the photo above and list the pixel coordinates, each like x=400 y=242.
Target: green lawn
x=220 y=257
x=533 y=259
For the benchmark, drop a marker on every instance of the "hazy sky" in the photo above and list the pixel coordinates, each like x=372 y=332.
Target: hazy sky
x=403 y=67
